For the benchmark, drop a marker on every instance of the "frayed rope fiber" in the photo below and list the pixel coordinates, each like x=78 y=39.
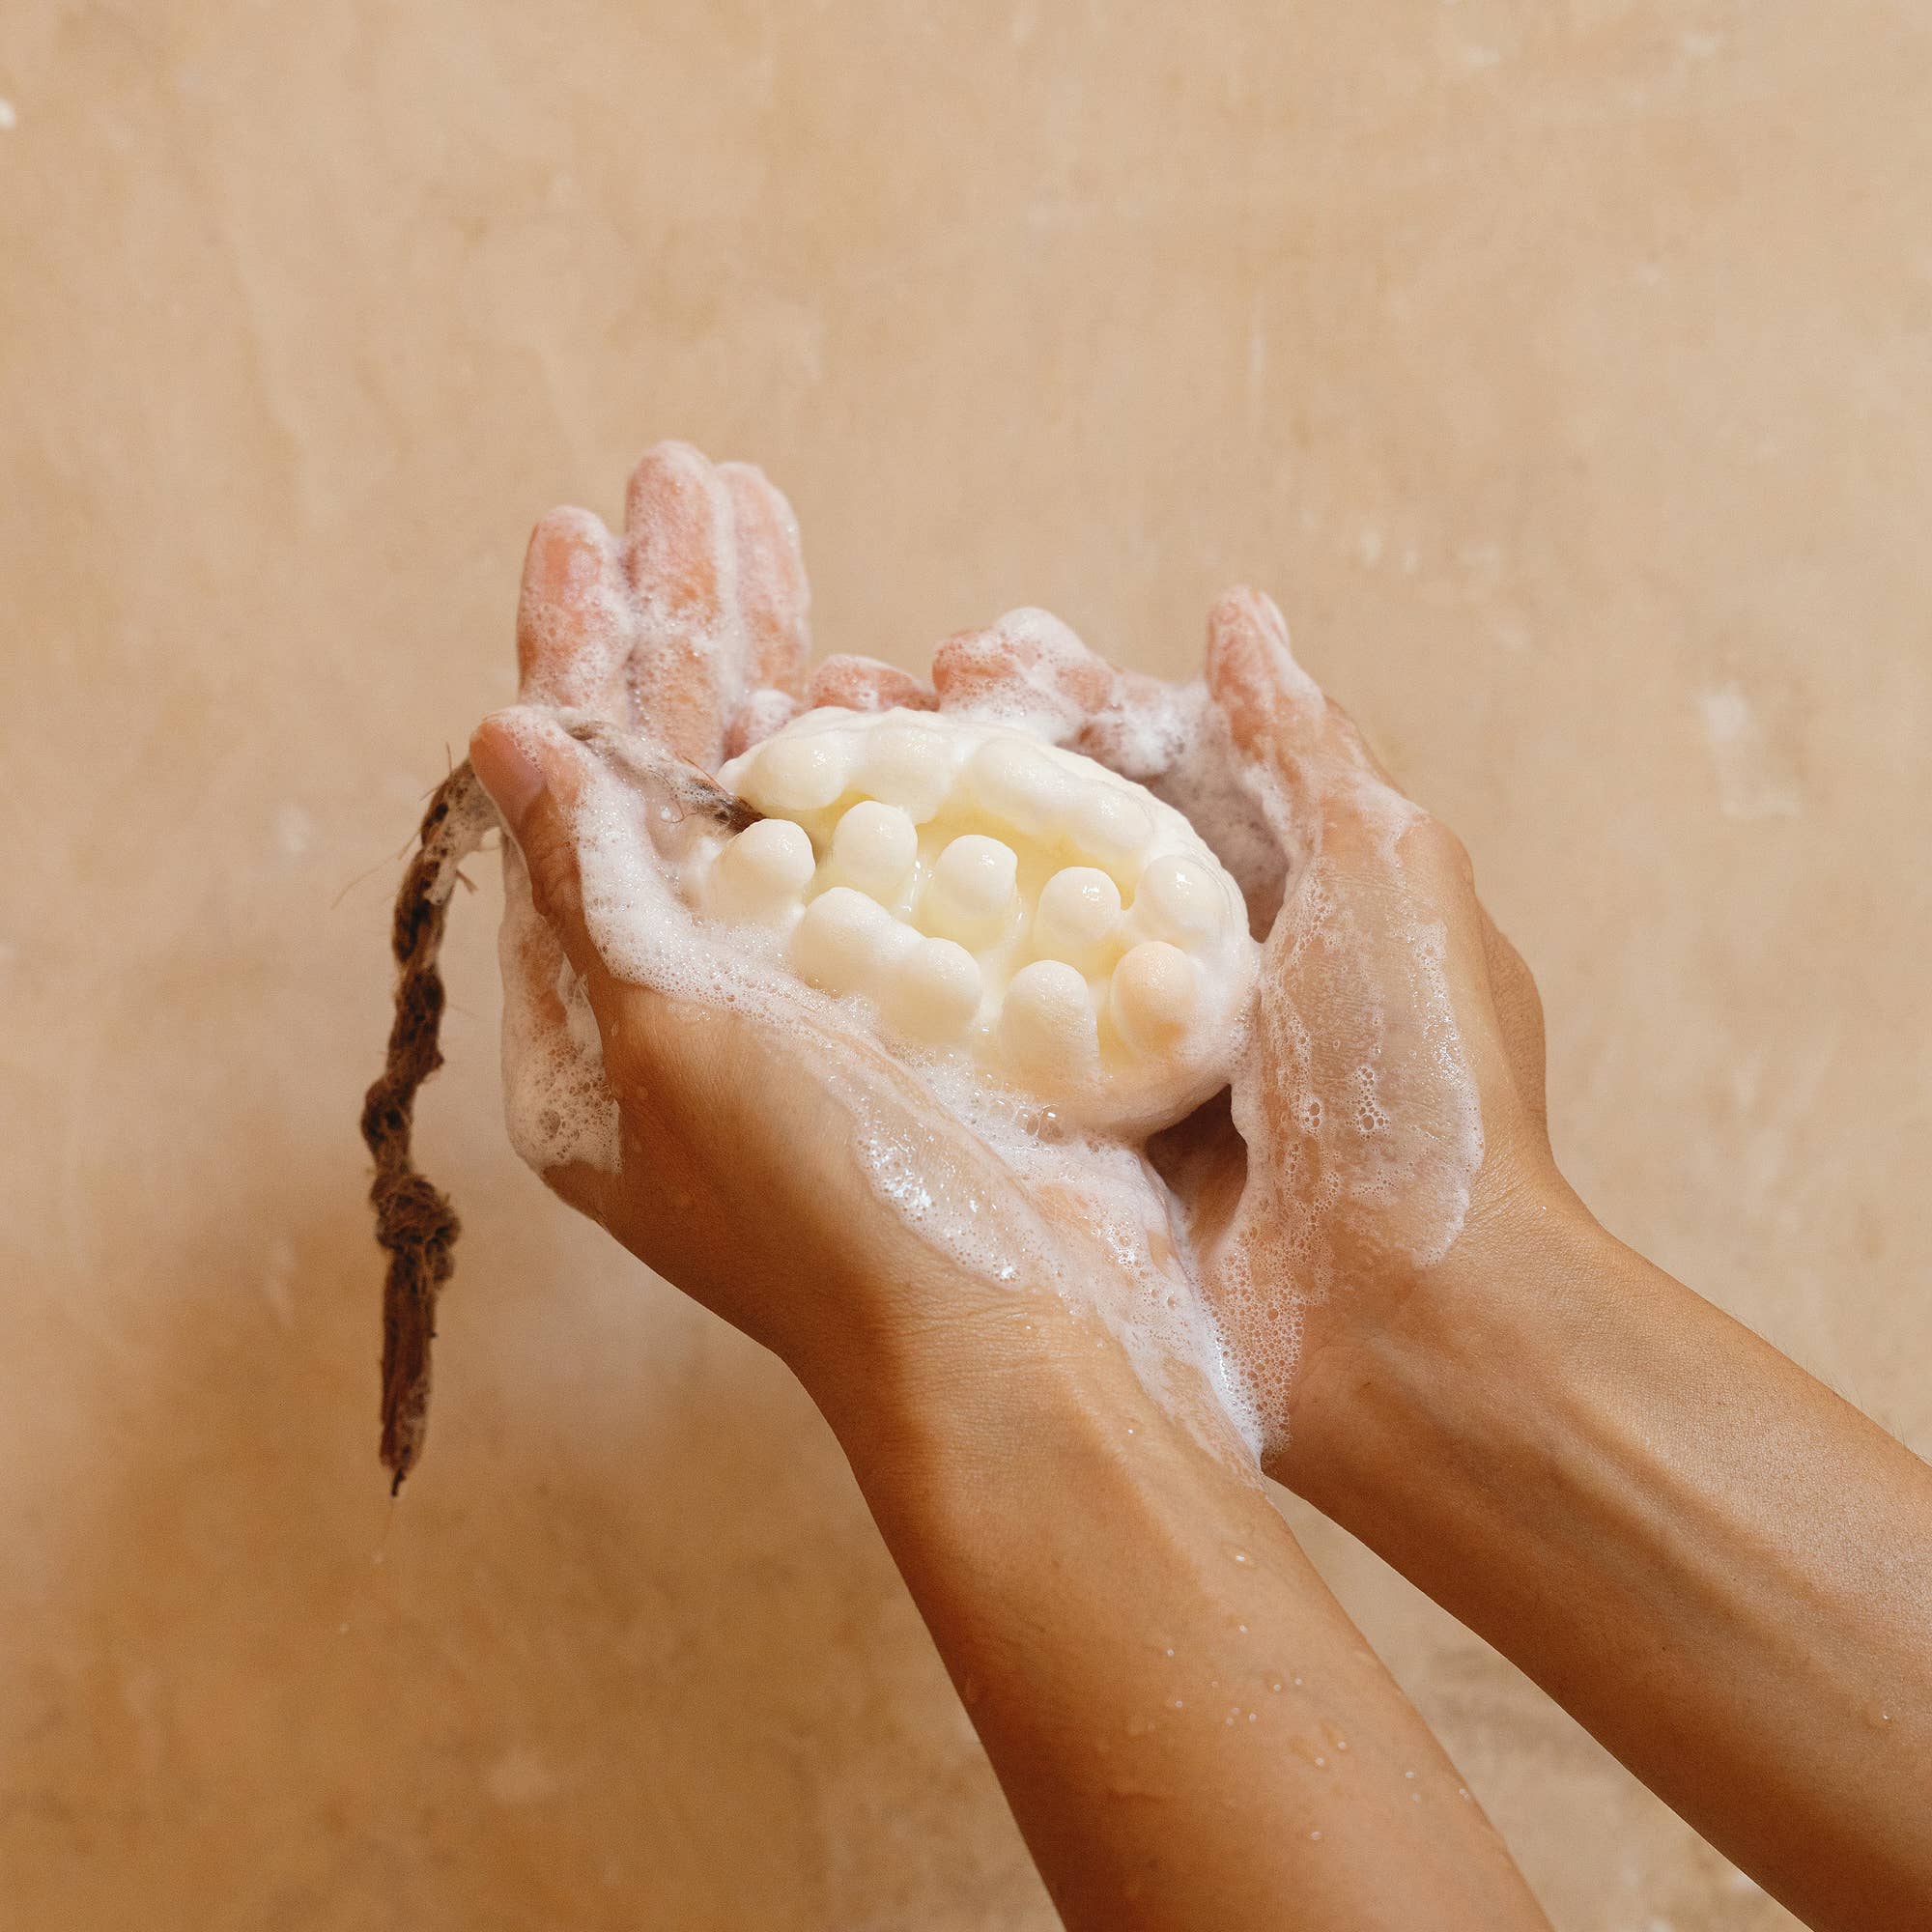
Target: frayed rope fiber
x=414 y=1223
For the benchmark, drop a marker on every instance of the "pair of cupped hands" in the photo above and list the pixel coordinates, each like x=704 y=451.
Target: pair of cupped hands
x=1387 y=1113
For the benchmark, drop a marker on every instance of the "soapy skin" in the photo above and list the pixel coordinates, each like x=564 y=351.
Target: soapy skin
x=983 y=1314
x=1715 y=1563
x=1397 y=1034
x=675 y=1085
x=1364 y=1090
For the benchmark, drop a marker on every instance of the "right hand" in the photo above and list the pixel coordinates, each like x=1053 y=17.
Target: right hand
x=1387 y=1130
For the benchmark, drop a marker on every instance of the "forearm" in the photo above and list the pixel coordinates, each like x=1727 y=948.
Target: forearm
x=1717 y=1565
x=1188 y=1728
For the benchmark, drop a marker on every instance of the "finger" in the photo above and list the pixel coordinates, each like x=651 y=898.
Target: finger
x=1276 y=713
x=677 y=521
x=1347 y=738
x=574 y=620
x=1202 y=1160
x=865 y=684
x=1274 y=709
x=773 y=597
x=1032 y=671
x=534 y=771
x=651 y=1043
x=1324 y=778
x=1028 y=669
x=1141 y=732
x=548 y=1080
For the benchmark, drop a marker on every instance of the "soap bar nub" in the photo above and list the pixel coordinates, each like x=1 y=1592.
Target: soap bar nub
x=995 y=898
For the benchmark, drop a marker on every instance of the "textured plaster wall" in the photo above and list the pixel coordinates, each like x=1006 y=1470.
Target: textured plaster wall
x=1564 y=366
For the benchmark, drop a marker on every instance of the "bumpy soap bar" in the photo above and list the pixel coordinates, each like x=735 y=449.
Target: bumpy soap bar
x=993 y=897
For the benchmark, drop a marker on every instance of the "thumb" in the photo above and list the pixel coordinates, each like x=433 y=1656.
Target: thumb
x=1277 y=715
x=534 y=771
x=1322 y=780
x=1275 y=711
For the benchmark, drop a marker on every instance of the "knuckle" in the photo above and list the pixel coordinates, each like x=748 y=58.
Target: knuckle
x=1447 y=849
x=1438 y=853
x=553 y=883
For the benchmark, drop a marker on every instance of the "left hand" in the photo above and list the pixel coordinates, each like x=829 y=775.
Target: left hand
x=780 y=1166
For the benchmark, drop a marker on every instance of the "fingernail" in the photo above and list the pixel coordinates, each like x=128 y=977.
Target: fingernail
x=511 y=776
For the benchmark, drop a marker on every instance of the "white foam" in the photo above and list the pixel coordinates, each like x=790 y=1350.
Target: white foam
x=556 y=1099
x=1354 y=1097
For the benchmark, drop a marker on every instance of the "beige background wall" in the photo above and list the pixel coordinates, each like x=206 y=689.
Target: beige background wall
x=1564 y=366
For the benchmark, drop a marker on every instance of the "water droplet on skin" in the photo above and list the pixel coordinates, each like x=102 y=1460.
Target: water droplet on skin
x=1462 y=1792
x=1176 y=1703
x=1242 y=1628
x=1274 y=1683
x=1169 y=1650
x=1415 y=1796
x=1315 y=1834
x=1297 y=1683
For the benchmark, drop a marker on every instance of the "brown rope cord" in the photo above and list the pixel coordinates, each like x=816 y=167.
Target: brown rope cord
x=414 y=1223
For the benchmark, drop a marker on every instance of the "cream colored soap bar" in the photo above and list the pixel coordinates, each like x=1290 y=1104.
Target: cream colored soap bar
x=996 y=898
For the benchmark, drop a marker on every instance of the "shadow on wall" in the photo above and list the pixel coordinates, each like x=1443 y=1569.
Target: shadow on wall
x=626 y=1653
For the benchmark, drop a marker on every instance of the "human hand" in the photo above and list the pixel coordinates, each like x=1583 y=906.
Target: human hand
x=1388 y=1123
x=774 y=1160
x=1392 y=1116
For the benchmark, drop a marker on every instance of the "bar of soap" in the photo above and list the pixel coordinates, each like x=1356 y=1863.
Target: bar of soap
x=995 y=898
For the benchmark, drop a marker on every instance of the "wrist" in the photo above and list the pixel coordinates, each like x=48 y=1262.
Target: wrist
x=1481 y=1340
x=993 y=1388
